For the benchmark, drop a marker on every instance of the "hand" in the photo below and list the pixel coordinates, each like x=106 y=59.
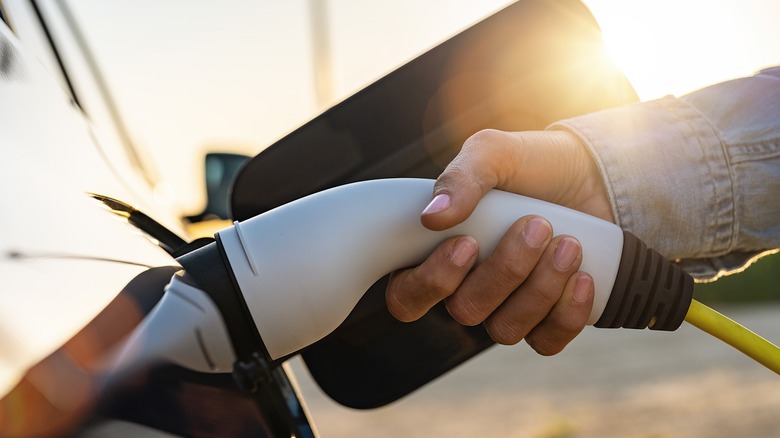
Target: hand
x=530 y=287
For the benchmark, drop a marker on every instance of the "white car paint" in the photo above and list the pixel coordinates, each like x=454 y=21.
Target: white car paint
x=56 y=241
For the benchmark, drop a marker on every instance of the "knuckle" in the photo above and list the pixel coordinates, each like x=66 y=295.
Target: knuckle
x=454 y=172
x=411 y=293
x=484 y=137
x=477 y=162
x=398 y=309
x=459 y=175
x=464 y=311
x=431 y=286
x=544 y=346
x=545 y=296
x=503 y=331
x=571 y=326
x=508 y=270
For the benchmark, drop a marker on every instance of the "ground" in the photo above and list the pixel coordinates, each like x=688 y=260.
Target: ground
x=608 y=383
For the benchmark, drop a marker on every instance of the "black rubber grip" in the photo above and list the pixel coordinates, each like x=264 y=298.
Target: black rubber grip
x=649 y=291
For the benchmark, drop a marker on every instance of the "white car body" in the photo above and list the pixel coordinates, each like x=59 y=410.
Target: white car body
x=62 y=257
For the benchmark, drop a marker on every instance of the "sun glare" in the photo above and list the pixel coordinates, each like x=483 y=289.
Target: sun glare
x=674 y=47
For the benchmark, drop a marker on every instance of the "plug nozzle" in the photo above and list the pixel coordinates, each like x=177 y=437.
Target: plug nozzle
x=294 y=273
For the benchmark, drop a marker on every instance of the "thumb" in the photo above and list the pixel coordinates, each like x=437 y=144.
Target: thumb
x=472 y=173
x=550 y=165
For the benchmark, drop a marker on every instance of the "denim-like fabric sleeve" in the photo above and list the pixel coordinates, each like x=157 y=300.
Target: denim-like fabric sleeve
x=697 y=178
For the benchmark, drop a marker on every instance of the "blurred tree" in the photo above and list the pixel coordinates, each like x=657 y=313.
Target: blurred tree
x=760 y=282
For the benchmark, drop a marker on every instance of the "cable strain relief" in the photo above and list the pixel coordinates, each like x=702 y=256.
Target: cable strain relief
x=649 y=291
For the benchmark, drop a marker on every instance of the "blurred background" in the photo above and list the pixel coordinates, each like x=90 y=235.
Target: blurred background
x=194 y=77
x=189 y=77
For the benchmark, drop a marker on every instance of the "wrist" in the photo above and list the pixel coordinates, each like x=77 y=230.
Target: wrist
x=586 y=190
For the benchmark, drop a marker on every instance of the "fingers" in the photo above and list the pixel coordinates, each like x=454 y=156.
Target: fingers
x=470 y=297
x=412 y=292
x=540 y=298
x=501 y=273
x=567 y=318
x=529 y=288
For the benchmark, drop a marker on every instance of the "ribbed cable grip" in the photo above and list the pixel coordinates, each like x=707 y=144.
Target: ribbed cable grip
x=649 y=291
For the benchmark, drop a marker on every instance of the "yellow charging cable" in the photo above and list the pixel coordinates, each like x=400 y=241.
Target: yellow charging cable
x=734 y=334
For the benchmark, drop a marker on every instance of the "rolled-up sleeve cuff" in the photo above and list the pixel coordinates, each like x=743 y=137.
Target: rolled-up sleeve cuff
x=667 y=174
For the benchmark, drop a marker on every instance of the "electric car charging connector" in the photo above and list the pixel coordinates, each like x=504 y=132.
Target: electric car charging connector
x=279 y=282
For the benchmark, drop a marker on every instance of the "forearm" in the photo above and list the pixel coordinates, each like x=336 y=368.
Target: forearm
x=697 y=178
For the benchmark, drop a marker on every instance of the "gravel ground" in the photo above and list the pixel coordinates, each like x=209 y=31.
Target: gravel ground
x=608 y=383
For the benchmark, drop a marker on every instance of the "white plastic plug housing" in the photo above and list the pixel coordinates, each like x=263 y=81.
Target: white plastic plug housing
x=303 y=267
x=184 y=328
